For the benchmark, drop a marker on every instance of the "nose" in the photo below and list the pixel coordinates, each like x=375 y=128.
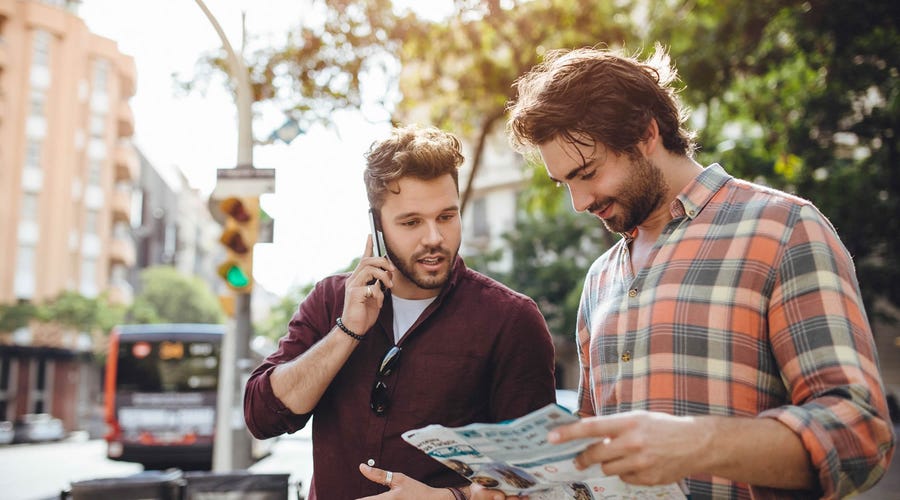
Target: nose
x=433 y=236
x=580 y=199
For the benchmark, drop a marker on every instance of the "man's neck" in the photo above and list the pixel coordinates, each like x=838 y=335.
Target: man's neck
x=405 y=289
x=678 y=171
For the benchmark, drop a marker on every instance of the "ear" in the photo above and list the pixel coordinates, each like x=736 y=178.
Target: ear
x=652 y=141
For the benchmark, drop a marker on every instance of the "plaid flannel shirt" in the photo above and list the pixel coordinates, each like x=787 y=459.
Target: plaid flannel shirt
x=748 y=306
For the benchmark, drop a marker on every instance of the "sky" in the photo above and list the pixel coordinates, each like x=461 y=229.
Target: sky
x=319 y=205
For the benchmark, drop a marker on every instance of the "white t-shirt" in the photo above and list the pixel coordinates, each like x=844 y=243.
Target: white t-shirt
x=406 y=312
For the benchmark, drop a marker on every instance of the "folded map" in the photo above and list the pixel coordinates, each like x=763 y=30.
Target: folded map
x=515 y=457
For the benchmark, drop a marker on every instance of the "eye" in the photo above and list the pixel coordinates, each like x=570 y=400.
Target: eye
x=447 y=217
x=588 y=174
x=410 y=223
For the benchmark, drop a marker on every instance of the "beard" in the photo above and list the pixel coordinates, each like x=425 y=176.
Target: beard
x=424 y=280
x=643 y=192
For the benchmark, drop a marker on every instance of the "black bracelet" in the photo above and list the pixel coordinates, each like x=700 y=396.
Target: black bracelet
x=348 y=331
x=457 y=494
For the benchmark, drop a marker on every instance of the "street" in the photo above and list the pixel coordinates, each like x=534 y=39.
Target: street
x=41 y=471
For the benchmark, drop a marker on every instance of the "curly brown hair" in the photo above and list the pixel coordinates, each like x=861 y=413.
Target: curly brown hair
x=602 y=95
x=422 y=152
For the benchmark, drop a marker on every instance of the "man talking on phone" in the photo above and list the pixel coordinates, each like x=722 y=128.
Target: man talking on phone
x=405 y=340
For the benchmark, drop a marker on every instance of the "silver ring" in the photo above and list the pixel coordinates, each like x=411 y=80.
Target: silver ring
x=388 y=478
x=369 y=291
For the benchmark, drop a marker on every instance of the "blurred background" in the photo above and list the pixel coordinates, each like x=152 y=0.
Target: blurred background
x=116 y=117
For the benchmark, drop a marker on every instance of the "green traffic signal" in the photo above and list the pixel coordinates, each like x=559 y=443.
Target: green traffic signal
x=234 y=276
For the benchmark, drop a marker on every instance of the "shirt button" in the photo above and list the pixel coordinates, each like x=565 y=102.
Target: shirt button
x=626 y=356
x=691 y=213
x=632 y=293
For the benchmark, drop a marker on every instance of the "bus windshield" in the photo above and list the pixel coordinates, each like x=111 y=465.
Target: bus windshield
x=168 y=366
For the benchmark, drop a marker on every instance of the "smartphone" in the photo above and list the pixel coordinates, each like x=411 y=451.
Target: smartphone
x=378 y=248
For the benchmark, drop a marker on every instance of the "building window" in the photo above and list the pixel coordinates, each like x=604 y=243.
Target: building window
x=38 y=102
x=25 y=263
x=480 y=226
x=25 y=271
x=41 y=55
x=119 y=274
x=33 y=153
x=98 y=125
x=29 y=207
x=95 y=168
x=7 y=392
x=42 y=373
x=88 y=273
x=90 y=222
x=101 y=75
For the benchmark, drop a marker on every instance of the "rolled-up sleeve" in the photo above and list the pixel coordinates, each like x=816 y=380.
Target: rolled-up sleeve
x=823 y=344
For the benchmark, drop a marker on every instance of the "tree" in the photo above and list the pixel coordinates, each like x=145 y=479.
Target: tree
x=15 y=316
x=800 y=94
x=551 y=254
x=274 y=326
x=319 y=69
x=463 y=70
x=81 y=313
x=168 y=296
x=805 y=96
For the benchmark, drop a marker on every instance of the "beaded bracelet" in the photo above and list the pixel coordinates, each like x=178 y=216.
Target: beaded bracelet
x=348 y=331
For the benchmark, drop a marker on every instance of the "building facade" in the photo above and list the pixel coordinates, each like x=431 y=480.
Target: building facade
x=67 y=171
x=172 y=226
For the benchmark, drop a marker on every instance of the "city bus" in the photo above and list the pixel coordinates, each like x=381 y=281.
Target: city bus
x=160 y=394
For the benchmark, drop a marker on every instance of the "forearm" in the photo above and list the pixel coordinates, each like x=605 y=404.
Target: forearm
x=300 y=383
x=756 y=451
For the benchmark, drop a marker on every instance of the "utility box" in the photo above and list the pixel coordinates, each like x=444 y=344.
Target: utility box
x=157 y=485
x=235 y=485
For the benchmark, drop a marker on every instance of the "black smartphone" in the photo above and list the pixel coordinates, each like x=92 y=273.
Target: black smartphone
x=378 y=249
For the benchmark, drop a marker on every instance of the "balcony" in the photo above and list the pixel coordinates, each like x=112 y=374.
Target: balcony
x=127 y=74
x=127 y=164
x=125 y=120
x=121 y=251
x=121 y=205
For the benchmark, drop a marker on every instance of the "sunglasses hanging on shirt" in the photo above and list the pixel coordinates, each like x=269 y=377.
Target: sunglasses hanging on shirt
x=379 y=400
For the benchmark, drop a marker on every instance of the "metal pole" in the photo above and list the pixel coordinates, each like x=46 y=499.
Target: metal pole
x=231 y=449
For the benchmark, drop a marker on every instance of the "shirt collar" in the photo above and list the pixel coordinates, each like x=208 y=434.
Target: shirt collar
x=691 y=200
x=694 y=197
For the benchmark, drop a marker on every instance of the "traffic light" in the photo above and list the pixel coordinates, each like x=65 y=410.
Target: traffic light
x=239 y=235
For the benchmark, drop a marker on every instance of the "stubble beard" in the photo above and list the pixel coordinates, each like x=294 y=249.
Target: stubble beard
x=425 y=281
x=644 y=192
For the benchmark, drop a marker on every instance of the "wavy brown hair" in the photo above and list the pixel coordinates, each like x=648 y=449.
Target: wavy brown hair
x=602 y=95
x=424 y=153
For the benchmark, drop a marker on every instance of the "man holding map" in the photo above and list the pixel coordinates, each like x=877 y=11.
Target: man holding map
x=723 y=339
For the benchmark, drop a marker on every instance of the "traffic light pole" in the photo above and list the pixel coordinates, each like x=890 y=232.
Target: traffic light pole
x=231 y=450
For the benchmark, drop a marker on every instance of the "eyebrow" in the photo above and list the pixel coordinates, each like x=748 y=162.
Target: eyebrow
x=574 y=172
x=451 y=208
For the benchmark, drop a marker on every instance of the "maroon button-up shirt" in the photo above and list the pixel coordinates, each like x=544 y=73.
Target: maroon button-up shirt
x=479 y=353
